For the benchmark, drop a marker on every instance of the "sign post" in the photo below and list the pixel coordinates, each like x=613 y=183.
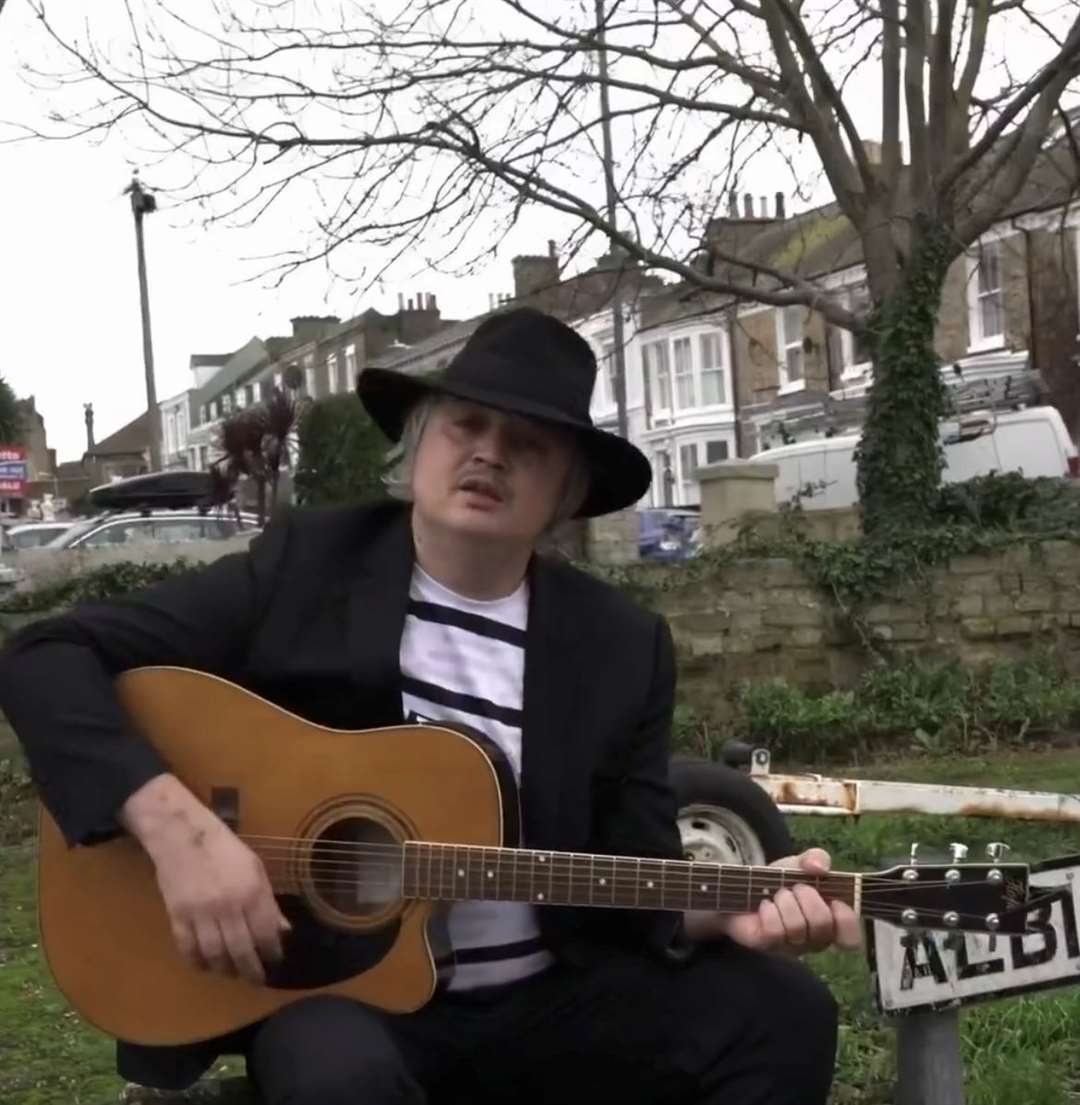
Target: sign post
x=923 y=980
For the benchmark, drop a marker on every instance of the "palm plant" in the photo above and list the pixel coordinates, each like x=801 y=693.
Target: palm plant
x=255 y=443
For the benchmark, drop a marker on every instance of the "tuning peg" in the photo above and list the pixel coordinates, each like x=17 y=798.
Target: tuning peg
x=959 y=852
x=997 y=851
x=914 y=859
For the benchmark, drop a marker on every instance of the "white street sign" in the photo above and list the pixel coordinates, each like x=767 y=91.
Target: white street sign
x=948 y=969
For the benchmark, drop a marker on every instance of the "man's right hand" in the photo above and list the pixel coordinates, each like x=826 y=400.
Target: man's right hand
x=216 y=891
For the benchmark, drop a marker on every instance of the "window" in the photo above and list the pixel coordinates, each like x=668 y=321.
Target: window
x=309 y=377
x=202 y=413
x=664 y=480
x=332 y=373
x=350 y=367
x=688 y=464
x=986 y=300
x=658 y=371
x=716 y=451
x=713 y=386
x=250 y=393
x=241 y=398
x=279 y=381
x=685 y=392
x=170 y=433
x=213 y=410
x=790 y=345
x=226 y=403
x=170 y=530
x=608 y=367
x=107 y=535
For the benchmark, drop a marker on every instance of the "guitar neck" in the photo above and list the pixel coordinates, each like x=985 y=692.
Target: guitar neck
x=454 y=872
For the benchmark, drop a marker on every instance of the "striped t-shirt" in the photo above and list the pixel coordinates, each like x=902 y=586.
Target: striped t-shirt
x=463 y=660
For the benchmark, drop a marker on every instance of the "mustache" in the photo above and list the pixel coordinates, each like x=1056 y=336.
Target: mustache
x=483 y=480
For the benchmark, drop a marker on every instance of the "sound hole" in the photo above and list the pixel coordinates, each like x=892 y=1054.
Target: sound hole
x=356 y=867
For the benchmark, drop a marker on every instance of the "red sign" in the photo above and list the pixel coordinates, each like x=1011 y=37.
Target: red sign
x=13 y=471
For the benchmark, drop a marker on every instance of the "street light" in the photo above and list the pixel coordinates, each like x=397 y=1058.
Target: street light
x=143 y=203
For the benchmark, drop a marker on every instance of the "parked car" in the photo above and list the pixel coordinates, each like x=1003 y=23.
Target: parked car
x=1033 y=441
x=32 y=535
x=130 y=528
x=668 y=533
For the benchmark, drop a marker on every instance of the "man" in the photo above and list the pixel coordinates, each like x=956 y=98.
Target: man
x=440 y=610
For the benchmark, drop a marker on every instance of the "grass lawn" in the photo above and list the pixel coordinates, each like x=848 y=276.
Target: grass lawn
x=1019 y=1051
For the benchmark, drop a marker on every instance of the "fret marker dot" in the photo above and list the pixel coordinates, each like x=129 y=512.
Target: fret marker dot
x=650 y=884
x=765 y=893
x=603 y=882
x=540 y=859
x=461 y=872
x=704 y=887
x=540 y=896
x=491 y=874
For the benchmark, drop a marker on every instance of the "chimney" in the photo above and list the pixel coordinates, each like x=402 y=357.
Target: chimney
x=410 y=303
x=763 y=210
x=733 y=205
x=491 y=301
x=781 y=212
x=748 y=205
x=88 y=417
x=872 y=151
x=401 y=301
x=533 y=273
x=312 y=327
x=551 y=248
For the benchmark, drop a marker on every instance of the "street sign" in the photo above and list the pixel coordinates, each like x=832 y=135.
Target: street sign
x=941 y=969
x=13 y=471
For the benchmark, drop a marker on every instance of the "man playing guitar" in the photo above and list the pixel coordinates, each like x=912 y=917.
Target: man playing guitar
x=437 y=608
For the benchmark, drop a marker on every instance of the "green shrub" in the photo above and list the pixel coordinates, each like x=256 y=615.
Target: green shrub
x=1009 y=501
x=913 y=706
x=342 y=454
x=108 y=581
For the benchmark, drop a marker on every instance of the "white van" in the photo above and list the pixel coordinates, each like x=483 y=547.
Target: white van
x=1033 y=442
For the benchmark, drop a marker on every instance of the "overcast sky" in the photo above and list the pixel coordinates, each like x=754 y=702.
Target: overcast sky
x=68 y=287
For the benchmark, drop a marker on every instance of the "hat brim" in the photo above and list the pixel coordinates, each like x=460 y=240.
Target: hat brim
x=619 y=473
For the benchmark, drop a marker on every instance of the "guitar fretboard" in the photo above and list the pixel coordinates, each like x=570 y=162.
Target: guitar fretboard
x=454 y=872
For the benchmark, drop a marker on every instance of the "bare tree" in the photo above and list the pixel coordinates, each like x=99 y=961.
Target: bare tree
x=427 y=131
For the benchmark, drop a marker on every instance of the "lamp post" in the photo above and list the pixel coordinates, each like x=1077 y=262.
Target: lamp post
x=143 y=203
x=609 y=188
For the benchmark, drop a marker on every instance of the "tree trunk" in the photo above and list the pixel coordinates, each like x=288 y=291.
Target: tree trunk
x=899 y=456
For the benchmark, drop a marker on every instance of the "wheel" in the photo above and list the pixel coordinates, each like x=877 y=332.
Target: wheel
x=726 y=818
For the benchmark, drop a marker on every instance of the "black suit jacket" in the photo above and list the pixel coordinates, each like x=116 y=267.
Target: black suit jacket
x=311 y=618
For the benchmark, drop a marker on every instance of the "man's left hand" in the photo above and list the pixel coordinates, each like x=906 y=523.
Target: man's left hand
x=797 y=919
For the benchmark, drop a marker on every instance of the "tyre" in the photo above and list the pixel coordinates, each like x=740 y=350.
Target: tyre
x=724 y=817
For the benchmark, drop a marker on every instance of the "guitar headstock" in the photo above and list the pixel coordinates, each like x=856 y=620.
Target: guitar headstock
x=959 y=896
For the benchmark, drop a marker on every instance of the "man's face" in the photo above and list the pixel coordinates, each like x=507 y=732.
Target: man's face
x=488 y=474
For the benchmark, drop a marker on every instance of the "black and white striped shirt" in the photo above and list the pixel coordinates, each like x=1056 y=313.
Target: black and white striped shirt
x=464 y=660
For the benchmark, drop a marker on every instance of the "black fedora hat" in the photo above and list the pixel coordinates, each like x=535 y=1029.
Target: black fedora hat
x=524 y=362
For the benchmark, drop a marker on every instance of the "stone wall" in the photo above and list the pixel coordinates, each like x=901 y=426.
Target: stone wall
x=41 y=567
x=759 y=619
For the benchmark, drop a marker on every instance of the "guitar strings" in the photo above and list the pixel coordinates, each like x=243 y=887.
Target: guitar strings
x=729 y=905
x=567 y=861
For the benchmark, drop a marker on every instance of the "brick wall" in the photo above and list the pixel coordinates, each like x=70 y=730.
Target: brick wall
x=761 y=619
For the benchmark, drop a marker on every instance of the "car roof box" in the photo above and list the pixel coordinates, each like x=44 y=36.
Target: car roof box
x=180 y=490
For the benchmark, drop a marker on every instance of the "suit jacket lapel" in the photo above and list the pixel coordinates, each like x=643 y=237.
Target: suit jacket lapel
x=378 y=597
x=552 y=673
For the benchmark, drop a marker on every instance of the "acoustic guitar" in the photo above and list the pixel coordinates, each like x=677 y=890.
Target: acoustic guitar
x=363 y=834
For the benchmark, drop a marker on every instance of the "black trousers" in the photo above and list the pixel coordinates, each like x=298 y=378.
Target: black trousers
x=732 y=1027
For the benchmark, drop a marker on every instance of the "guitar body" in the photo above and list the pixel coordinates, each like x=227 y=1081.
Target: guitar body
x=295 y=789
